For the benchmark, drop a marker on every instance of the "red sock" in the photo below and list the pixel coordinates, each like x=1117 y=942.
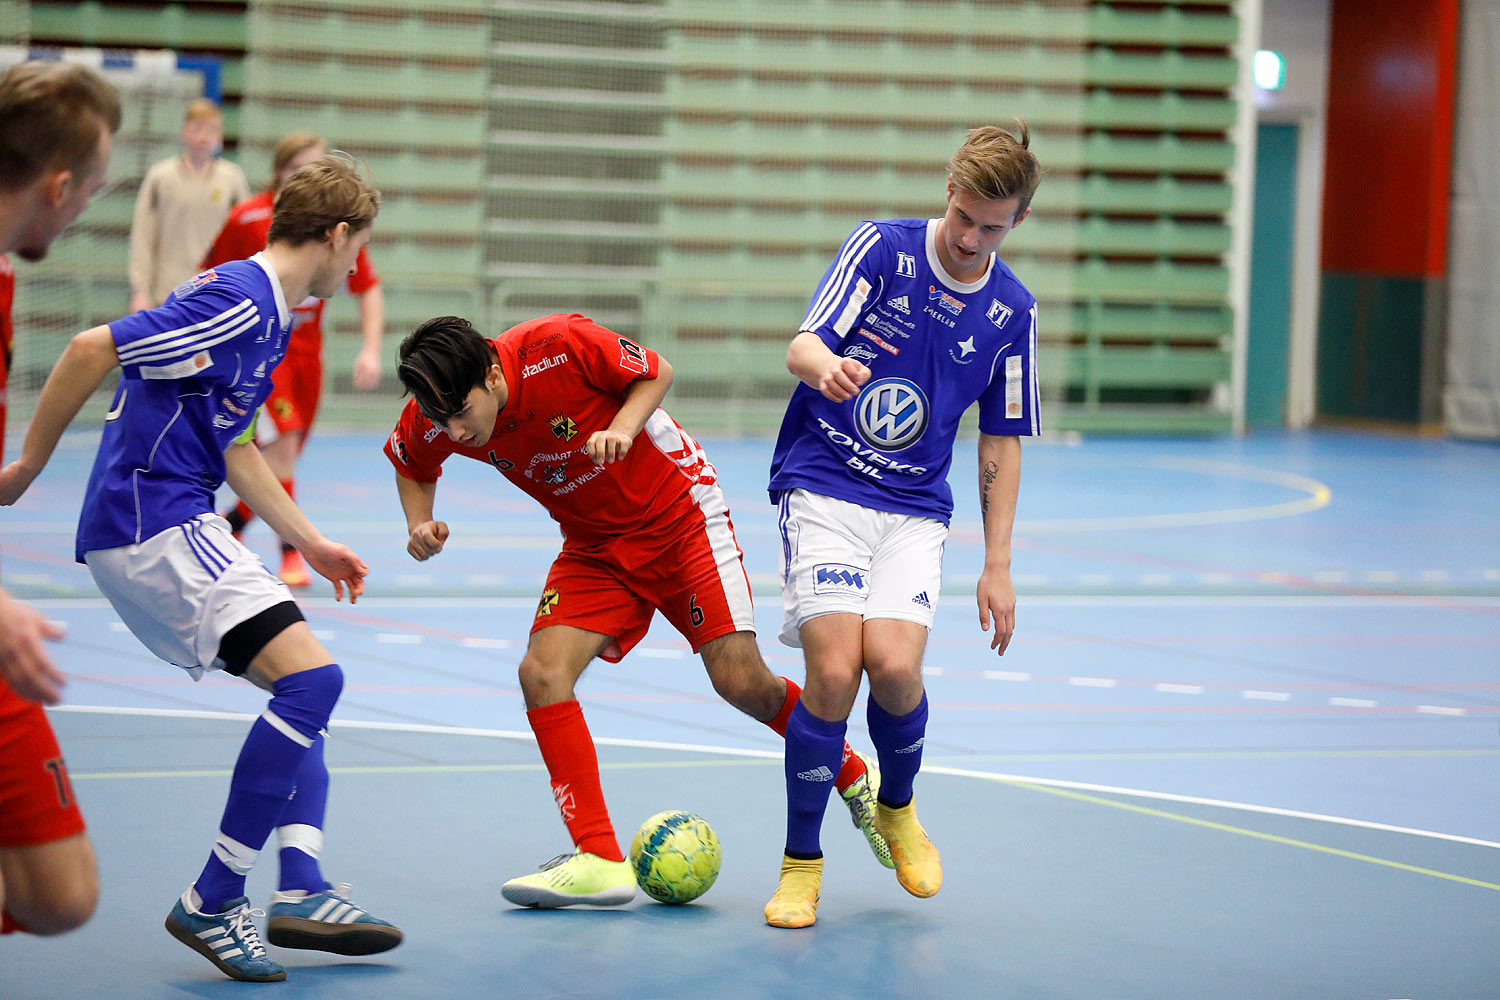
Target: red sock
x=852 y=766
x=9 y=924
x=287 y=485
x=568 y=751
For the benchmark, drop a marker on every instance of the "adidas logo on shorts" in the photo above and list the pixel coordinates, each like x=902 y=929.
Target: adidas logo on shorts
x=816 y=774
x=922 y=600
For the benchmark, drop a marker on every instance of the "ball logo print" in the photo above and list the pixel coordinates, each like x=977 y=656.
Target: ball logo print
x=891 y=414
x=675 y=856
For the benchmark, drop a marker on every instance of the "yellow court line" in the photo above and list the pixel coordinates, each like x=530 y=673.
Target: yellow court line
x=1318 y=497
x=1257 y=834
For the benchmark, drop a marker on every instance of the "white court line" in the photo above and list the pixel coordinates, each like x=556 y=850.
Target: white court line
x=967 y=600
x=957 y=772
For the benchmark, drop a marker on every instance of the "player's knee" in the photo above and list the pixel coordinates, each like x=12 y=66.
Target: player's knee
x=831 y=688
x=66 y=905
x=739 y=673
x=898 y=672
x=306 y=699
x=537 y=679
x=72 y=911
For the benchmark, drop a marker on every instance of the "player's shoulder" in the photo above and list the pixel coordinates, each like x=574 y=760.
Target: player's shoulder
x=1008 y=288
x=163 y=166
x=536 y=332
x=230 y=283
x=252 y=209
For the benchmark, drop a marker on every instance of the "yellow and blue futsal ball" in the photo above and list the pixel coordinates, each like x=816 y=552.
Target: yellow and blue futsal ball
x=675 y=856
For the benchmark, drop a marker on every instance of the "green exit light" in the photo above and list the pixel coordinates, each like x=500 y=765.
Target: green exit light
x=1269 y=69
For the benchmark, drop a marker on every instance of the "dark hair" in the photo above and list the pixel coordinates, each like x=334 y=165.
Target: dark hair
x=51 y=118
x=440 y=363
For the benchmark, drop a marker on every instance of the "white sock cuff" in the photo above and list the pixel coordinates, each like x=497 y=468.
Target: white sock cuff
x=305 y=838
x=236 y=856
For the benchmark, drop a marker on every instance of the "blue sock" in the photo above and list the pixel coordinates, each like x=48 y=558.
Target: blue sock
x=264 y=777
x=814 y=751
x=898 y=743
x=300 y=829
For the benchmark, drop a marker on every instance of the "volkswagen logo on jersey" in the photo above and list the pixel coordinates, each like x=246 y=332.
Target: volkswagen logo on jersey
x=891 y=414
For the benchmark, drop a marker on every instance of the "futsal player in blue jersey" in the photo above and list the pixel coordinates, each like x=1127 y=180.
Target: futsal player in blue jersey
x=194 y=371
x=915 y=320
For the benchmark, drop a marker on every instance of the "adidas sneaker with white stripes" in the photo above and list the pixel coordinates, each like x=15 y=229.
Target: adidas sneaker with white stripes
x=327 y=921
x=229 y=939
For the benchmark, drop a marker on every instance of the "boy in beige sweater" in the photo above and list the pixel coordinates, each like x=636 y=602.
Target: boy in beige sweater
x=182 y=203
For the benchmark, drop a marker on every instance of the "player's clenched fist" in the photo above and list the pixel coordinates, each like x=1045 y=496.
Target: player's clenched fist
x=427 y=540
x=607 y=446
x=842 y=379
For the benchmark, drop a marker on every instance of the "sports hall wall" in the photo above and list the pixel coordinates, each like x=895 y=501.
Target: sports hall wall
x=683 y=170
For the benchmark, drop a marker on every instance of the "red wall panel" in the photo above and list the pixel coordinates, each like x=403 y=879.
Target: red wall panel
x=1390 y=136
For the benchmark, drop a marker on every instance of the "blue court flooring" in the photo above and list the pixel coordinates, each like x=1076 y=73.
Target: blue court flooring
x=1243 y=744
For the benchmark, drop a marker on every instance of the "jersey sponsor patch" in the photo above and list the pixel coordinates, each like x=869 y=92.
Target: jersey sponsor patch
x=883 y=345
x=197 y=281
x=181 y=369
x=998 y=313
x=948 y=303
x=853 y=307
x=563 y=427
x=1013 y=386
x=900 y=303
x=963 y=350
x=549 y=600
x=906 y=265
x=399 y=447
x=632 y=357
x=838 y=578
x=891 y=413
x=544 y=364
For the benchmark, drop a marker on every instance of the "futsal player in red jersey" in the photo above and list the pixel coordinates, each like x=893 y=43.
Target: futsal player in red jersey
x=570 y=412
x=57 y=123
x=298 y=381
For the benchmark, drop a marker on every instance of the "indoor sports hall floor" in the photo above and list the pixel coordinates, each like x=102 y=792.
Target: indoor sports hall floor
x=1244 y=745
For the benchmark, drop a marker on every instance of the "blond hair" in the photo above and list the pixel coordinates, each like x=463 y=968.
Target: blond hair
x=290 y=147
x=997 y=164
x=52 y=116
x=318 y=197
x=202 y=109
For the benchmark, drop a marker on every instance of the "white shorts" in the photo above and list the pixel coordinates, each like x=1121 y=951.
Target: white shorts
x=181 y=590
x=838 y=556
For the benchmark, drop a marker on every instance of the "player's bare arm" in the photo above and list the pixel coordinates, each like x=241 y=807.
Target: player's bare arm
x=24 y=662
x=425 y=536
x=999 y=482
x=838 y=379
x=371 y=327
x=89 y=357
x=252 y=480
x=641 y=400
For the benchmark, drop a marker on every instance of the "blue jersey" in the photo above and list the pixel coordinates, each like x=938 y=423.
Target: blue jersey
x=194 y=371
x=933 y=346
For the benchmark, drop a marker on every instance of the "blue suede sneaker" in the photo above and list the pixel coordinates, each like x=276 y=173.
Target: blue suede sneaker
x=328 y=921
x=228 y=939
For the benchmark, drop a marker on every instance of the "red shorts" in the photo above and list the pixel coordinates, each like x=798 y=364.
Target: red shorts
x=296 y=389
x=690 y=570
x=36 y=799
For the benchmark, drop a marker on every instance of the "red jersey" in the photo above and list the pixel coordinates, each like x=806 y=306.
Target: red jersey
x=244 y=235
x=567 y=378
x=7 y=336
